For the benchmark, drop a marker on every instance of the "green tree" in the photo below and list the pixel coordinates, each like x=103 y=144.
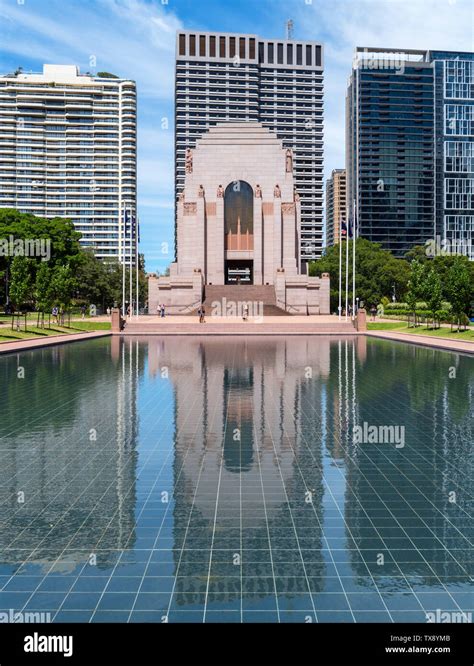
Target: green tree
x=415 y=287
x=20 y=283
x=62 y=287
x=377 y=272
x=432 y=292
x=43 y=291
x=460 y=290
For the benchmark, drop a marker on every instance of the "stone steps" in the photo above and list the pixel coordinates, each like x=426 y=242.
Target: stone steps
x=239 y=328
x=231 y=295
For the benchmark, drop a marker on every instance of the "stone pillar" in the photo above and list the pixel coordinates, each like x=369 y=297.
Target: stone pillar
x=257 y=241
x=199 y=236
x=277 y=235
x=219 y=253
x=324 y=294
x=289 y=238
x=269 y=263
x=117 y=321
x=361 y=320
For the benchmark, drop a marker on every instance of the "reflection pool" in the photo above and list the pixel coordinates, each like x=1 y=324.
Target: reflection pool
x=258 y=479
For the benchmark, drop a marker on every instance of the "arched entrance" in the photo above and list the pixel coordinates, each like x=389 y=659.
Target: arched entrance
x=238 y=233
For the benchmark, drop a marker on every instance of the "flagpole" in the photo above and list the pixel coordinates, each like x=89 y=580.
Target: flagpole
x=354 y=236
x=124 y=234
x=339 y=309
x=136 y=263
x=347 y=270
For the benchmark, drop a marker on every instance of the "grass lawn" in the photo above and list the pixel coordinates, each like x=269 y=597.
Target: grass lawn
x=401 y=327
x=32 y=332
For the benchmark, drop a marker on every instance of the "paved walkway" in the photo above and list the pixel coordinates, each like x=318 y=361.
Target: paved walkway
x=32 y=343
x=426 y=341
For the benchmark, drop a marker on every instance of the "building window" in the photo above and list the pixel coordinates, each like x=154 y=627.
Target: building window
x=289 y=54
x=459 y=120
x=202 y=45
x=192 y=45
x=280 y=54
x=222 y=47
x=212 y=46
x=270 y=53
x=252 y=49
x=318 y=56
x=459 y=156
x=299 y=54
x=182 y=45
x=309 y=59
x=242 y=48
x=232 y=47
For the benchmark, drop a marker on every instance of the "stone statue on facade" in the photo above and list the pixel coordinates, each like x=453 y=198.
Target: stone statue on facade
x=181 y=196
x=277 y=192
x=296 y=196
x=201 y=192
x=220 y=192
x=258 y=192
x=289 y=160
x=189 y=160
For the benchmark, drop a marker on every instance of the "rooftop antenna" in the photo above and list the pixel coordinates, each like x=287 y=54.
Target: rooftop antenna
x=289 y=25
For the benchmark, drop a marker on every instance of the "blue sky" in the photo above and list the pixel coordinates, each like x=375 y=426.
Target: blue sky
x=136 y=39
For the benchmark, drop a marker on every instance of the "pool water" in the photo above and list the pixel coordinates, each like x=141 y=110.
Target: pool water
x=276 y=479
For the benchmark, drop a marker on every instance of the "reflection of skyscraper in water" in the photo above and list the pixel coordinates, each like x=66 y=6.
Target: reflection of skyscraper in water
x=244 y=413
x=399 y=502
x=73 y=454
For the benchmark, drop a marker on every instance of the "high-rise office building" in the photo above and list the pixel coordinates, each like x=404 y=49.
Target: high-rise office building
x=68 y=149
x=232 y=77
x=409 y=146
x=336 y=205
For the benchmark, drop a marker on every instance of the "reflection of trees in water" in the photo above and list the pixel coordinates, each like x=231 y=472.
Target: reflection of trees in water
x=412 y=386
x=78 y=492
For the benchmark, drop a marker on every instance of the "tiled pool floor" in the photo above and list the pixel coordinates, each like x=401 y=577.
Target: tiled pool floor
x=152 y=480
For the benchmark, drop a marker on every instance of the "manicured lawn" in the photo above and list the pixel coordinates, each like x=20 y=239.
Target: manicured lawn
x=400 y=327
x=32 y=332
x=384 y=326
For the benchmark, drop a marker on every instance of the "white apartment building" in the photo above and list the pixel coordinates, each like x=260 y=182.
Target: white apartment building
x=68 y=149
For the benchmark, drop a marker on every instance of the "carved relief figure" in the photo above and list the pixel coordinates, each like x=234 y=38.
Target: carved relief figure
x=181 y=196
x=289 y=160
x=296 y=196
x=258 y=192
x=189 y=160
x=277 y=192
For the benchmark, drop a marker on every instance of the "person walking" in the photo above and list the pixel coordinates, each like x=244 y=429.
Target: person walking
x=373 y=312
x=55 y=312
x=162 y=310
x=83 y=311
x=245 y=312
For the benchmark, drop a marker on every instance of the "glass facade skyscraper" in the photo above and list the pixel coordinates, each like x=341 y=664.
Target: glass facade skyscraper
x=409 y=146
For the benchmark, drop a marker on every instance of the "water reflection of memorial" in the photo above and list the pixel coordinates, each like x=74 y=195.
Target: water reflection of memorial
x=261 y=390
